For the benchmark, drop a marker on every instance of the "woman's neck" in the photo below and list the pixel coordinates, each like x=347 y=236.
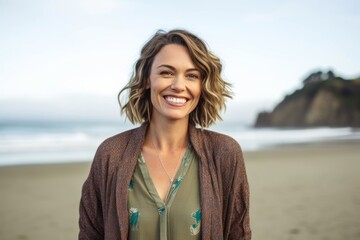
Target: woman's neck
x=168 y=136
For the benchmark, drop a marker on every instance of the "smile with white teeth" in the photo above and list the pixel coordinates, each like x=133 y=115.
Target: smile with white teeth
x=175 y=100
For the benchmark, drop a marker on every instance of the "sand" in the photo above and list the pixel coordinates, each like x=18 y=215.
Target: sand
x=40 y=201
x=308 y=191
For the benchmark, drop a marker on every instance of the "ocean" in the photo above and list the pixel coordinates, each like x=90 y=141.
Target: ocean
x=40 y=142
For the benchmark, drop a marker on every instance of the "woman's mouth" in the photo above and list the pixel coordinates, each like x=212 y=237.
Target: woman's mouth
x=175 y=100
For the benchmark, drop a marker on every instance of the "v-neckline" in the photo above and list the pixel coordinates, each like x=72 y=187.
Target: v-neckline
x=181 y=172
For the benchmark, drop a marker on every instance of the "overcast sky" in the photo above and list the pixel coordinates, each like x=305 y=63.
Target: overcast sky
x=74 y=52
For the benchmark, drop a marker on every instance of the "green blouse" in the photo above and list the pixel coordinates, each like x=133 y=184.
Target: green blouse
x=179 y=217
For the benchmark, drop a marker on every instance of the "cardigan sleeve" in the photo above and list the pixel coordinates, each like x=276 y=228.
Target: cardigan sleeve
x=237 y=220
x=91 y=216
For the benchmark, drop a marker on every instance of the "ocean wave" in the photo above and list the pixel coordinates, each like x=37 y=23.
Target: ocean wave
x=51 y=143
x=46 y=142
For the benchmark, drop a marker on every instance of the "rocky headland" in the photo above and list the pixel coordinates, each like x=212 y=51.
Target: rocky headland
x=324 y=100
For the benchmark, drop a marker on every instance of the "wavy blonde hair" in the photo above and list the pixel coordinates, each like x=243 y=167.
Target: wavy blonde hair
x=214 y=89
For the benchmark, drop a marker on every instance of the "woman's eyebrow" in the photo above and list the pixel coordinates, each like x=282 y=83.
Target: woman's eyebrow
x=192 y=69
x=173 y=68
x=165 y=65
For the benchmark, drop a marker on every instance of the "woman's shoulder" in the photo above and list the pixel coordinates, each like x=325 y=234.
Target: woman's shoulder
x=217 y=139
x=120 y=146
x=121 y=140
x=117 y=138
x=221 y=149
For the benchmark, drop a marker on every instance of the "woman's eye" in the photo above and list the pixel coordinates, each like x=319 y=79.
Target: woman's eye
x=166 y=74
x=193 y=76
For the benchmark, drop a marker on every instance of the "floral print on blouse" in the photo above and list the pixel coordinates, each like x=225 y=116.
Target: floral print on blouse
x=179 y=217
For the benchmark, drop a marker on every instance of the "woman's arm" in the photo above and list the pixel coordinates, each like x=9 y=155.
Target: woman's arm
x=91 y=216
x=236 y=202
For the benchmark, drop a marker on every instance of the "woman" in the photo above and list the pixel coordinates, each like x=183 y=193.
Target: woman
x=168 y=179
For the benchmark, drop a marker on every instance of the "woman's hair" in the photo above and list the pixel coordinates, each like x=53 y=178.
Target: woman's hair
x=214 y=89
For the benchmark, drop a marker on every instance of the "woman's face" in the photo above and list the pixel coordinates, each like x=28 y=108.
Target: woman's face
x=175 y=84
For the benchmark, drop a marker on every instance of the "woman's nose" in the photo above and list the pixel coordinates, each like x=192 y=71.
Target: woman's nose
x=178 y=83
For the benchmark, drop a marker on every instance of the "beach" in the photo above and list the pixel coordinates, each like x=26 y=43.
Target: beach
x=298 y=191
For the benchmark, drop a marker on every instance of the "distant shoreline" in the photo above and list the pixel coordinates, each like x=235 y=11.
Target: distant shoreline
x=45 y=142
x=271 y=148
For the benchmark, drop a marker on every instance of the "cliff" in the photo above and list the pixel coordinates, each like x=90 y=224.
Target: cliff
x=324 y=100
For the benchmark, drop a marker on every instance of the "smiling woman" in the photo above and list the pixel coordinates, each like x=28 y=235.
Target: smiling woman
x=168 y=179
x=214 y=89
x=175 y=84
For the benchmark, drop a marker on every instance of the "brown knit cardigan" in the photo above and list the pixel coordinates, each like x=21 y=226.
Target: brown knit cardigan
x=224 y=191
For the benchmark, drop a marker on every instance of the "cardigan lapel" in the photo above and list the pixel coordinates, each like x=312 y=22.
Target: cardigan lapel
x=124 y=175
x=206 y=197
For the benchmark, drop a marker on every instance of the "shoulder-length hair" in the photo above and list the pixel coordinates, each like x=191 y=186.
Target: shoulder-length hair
x=214 y=89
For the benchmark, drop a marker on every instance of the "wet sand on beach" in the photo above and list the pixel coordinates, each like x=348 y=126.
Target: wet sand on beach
x=302 y=191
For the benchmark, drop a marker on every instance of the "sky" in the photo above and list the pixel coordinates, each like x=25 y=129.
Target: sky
x=70 y=58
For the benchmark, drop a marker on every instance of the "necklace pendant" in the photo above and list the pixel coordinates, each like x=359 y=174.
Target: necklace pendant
x=163 y=167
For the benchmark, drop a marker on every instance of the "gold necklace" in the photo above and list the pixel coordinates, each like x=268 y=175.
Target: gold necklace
x=171 y=179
